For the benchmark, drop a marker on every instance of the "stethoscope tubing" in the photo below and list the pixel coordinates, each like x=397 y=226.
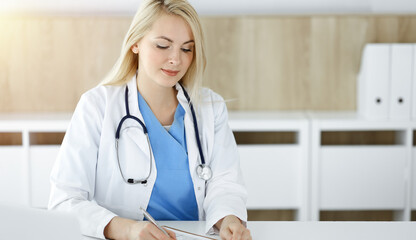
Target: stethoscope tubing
x=128 y=116
x=198 y=141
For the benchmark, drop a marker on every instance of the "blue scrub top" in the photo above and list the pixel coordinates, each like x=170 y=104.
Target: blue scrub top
x=173 y=196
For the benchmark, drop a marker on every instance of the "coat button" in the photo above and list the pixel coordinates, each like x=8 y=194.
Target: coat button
x=199 y=188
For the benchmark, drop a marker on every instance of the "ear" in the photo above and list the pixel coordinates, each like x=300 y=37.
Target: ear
x=135 y=48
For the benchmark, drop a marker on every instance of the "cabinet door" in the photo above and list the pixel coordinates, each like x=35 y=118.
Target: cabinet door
x=42 y=159
x=13 y=176
x=413 y=191
x=271 y=174
x=362 y=177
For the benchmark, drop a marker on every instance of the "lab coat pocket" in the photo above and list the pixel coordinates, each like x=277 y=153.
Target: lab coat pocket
x=134 y=154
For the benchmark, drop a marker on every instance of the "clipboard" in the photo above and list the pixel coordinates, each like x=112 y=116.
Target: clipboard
x=184 y=235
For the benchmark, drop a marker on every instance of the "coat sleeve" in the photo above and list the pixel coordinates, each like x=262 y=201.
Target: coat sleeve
x=73 y=175
x=225 y=191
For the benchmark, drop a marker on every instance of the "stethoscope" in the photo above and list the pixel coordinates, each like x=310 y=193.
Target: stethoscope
x=203 y=170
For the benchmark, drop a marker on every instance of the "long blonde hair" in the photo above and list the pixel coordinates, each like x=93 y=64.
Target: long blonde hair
x=150 y=10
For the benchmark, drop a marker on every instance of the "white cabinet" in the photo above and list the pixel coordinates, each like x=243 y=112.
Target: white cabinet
x=273 y=149
x=25 y=167
x=42 y=159
x=13 y=175
x=357 y=171
x=413 y=174
x=290 y=160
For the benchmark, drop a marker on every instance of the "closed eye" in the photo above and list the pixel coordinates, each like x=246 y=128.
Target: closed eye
x=186 y=50
x=161 y=47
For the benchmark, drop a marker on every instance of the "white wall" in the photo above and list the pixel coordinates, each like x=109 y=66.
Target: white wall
x=214 y=7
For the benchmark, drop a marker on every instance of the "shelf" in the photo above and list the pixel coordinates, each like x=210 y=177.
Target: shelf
x=351 y=121
x=267 y=121
x=46 y=138
x=10 y=138
x=247 y=138
x=329 y=138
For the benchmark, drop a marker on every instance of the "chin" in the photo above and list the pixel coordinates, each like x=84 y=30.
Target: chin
x=168 y=84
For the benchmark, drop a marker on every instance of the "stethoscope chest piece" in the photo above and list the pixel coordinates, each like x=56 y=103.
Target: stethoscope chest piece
x=204 y=172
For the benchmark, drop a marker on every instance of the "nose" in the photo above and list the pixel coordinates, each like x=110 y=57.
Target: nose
x=175 y=57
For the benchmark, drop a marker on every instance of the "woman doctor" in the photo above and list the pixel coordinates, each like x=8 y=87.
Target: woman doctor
x=150 y=137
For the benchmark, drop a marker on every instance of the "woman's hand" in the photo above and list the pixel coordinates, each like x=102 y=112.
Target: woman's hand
x=126 y=229
x=231 y=228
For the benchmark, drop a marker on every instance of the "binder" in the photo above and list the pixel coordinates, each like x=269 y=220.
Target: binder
x=401 y=79
x=414 y=84
x=373 y=82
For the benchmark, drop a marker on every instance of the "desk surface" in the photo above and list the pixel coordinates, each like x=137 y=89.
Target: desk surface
x=315 y=230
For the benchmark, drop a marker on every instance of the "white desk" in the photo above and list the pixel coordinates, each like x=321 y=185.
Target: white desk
x=316 y=230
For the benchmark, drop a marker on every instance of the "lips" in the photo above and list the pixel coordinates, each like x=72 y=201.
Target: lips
x=170 y=72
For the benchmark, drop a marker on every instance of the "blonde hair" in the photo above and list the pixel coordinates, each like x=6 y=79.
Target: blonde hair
x=150 y=10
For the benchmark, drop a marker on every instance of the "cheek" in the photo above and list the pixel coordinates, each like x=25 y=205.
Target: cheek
x=151 y=59
x=157 y=58
x=188 y=60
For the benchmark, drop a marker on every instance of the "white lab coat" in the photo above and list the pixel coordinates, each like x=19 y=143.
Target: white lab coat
x=86 y=178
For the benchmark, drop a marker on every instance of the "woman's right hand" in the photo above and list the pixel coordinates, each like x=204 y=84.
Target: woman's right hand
x=127 y=229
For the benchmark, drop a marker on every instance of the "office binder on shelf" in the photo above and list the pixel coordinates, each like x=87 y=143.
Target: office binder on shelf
x=414 y=84
x=373 y=82
x=401 y=81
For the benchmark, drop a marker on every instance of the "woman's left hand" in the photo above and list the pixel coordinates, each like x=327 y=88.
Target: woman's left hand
x=231 y=228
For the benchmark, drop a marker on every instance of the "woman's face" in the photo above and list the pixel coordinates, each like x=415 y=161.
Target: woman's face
x=165 y=52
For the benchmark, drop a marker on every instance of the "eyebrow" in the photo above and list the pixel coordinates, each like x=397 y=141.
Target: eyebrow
x=170 y=40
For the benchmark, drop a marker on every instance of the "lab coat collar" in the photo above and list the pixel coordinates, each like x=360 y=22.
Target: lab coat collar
x=181 y=97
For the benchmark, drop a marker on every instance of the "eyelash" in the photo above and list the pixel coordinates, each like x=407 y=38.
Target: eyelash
x=186 y=50
x=162 y=47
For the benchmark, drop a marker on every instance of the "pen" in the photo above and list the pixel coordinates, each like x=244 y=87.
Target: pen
x=152 y=220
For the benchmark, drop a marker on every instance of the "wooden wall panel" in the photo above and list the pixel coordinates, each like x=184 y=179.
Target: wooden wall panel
x=297 y=63
x=255 y=62
x=51 y=61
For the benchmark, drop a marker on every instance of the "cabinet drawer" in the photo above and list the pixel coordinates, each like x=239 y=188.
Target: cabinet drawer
x=13 y=181
x=272 y=175
x=362 y=177
x=42 y=159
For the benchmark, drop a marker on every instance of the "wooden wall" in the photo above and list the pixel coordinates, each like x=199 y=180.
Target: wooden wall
x=256 y=62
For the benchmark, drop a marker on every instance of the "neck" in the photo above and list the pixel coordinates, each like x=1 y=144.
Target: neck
x=161 y=100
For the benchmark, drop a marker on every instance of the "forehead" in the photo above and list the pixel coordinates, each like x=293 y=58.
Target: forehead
x=171 y=26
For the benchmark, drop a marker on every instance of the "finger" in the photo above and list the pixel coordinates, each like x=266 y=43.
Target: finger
x=225 y=234
x=237 y=231
x=246 y=234
x=171 y=233
x=146 y=232
x=156 y=233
